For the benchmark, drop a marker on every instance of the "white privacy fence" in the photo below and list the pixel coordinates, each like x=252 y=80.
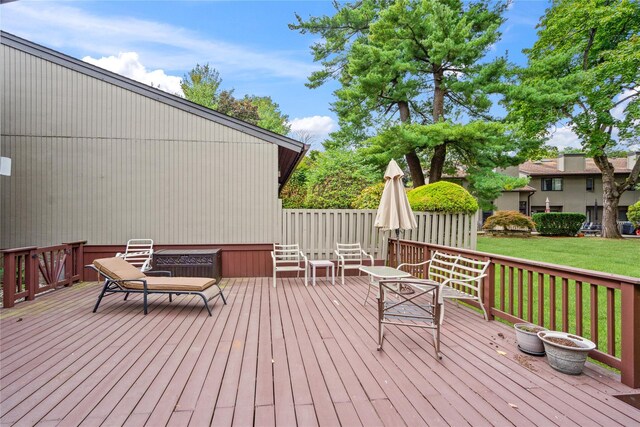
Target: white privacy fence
x=318 y=230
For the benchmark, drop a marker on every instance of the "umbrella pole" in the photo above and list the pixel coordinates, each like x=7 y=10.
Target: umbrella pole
x=397 y=247
x=403 y=289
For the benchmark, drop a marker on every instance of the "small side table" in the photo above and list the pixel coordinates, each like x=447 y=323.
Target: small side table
x=323 y=263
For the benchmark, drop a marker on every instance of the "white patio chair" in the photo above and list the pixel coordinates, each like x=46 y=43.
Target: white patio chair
x=289 y=258
x=351 y=256
x=139 y=253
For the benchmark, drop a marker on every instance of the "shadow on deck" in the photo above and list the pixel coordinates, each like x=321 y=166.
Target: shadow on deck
x=286 y=356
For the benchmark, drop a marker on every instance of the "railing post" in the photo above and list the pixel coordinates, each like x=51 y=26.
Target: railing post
x=630 y=331
x=80 y=260
x=489 y=293
x=31 y=275
x=77 y=260
x=9 y=280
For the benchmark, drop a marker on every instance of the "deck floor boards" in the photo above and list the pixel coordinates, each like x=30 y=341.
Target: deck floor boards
x=278 y=356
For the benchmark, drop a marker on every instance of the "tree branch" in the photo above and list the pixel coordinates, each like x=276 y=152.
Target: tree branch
x=625 y=98
x=585 y=59
x=632 y=179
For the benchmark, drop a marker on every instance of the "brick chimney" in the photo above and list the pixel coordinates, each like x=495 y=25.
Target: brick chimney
x=571 y=162
x=632 y=158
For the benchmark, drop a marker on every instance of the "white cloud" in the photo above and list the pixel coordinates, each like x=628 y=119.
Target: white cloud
x=563 y=137
x=128 y=64
x=314 y=125
x=159 y=45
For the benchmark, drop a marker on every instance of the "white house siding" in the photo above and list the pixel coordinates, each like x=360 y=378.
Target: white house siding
x=95 y=161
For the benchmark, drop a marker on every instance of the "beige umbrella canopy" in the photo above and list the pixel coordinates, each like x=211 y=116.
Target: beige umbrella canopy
x=394 y=212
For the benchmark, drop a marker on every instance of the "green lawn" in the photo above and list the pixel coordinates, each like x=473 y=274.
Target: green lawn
x=592 y=253
x=605 y=255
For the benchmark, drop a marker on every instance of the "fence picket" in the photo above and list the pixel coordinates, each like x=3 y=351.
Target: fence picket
x=318 y=230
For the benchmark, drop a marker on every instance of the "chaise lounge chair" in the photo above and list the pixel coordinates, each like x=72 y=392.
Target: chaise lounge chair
x=122 y=277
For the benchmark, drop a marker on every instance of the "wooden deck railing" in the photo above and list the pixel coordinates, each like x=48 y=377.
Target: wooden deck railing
x=602 y=307
x=31 y=270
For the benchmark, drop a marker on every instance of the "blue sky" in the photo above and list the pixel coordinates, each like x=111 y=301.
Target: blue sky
x=247 y=41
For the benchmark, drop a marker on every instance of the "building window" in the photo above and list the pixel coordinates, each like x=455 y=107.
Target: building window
x=551 y=184
x=589 y=184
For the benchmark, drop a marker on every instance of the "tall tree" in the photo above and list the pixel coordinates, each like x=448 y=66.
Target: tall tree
x=408 y=61
x=584 y=72
x=202 y=86
x=271 y=117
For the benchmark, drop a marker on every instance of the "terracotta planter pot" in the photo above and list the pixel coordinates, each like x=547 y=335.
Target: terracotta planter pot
x=528 y=340
x=566 y=353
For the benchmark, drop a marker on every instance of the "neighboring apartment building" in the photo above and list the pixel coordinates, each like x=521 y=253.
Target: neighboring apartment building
x=572 y=183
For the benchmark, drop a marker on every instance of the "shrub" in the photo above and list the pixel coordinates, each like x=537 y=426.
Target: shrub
x=633 y=214
x=558 y=223
x=442 y=196
x=294 y=192
x=509 y=221
x=370 y=197
x=337 y=178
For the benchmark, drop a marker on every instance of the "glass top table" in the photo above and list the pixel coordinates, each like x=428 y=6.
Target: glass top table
x=377 y=273
x=381 y=272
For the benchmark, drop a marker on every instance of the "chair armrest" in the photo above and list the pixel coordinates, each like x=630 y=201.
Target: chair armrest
x=413 y=265
x=158 y=273
x=123 y=281
x=304 y=257
x=471 y=279
x=367 y=255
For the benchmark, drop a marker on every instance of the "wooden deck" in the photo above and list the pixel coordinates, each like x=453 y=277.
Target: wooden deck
x=293 y=355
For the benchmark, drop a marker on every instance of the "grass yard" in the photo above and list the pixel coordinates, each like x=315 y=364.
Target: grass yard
x=591 y=253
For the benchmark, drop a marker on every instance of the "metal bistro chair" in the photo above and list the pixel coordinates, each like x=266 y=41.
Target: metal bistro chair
x=289 y=258
x=421 y=309
x=351 y=256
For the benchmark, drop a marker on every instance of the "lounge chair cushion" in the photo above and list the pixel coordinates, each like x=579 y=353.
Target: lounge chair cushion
x=180 y=284
x=118 y=269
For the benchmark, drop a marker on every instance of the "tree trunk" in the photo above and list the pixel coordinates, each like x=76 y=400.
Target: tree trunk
x=437 y=163
x=413 y=161
x=415 y=168
x=610 y=198
x=440 y=151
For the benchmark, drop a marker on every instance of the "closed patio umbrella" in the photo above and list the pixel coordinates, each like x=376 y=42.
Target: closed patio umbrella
x=394 y=211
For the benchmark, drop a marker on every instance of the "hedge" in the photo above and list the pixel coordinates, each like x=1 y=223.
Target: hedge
x=442 y=196
x=558 y=223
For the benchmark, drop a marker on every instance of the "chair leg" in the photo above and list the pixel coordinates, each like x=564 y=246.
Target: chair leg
x=342 y=275
x=274 y=278
x=442 y=313
x=206 y=304
x=486 y=317
x=126 y=296
x=144 y=298
x=104 y=289
x=170 y=297
x=224 y=300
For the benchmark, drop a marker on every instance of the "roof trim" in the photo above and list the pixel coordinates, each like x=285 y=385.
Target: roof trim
x=66 y=61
